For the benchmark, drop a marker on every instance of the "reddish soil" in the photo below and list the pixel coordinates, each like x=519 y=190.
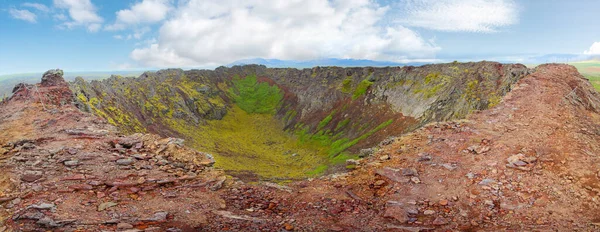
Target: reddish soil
x=530 y=163
x=593 y=69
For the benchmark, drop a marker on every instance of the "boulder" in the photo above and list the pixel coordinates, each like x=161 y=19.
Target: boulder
x=53 y=77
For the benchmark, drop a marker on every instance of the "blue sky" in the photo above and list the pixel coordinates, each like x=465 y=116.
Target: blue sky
x=97 y=35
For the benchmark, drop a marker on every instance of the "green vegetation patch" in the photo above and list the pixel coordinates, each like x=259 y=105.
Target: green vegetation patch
x=255 y=97
x=347 y=85
x=361 y=89
x=595 y=80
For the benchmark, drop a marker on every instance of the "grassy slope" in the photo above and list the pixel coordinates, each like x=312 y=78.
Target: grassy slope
x=591 y=70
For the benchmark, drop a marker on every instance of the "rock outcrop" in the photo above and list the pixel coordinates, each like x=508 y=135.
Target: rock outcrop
x=53 y=77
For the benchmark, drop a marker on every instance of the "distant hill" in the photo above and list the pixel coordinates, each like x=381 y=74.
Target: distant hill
x=7 y=82
x=275 y=63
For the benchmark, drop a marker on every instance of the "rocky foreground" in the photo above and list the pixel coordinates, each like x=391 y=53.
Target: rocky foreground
x=529 y=163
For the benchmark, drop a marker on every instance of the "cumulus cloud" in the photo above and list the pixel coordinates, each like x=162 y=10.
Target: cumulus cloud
x=459 y=15
x=144 y=12
x=594 y=49
x=216 y=32
x=37 y=6
x=82 y=13
x=23 y=15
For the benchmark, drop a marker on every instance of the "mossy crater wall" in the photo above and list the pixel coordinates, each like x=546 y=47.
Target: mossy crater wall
x=264 y=123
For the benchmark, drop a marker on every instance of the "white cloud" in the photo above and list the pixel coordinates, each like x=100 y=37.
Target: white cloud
x=23 y=15
x=459 y=15
x=138 y=33
x=82 y=13
x=144 y=12
x=38 y=6
x=94 y=27
x=118 y=36
x=60 y=17
x=213 y=32
x=594 y=49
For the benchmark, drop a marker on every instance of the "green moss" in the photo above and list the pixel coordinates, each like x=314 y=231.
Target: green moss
x=494 y=100
x=361 y=89
x=254 y=97
x=431 y=77
x=325 y=121
x=342 y=124
x=257 y=143
x=319 y=170
x=340 y=145
x=346 y=85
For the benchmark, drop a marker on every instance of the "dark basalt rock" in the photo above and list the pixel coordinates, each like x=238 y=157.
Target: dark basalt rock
x=53 y=77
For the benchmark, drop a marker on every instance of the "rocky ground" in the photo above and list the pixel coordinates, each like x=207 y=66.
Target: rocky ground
x=530 y=163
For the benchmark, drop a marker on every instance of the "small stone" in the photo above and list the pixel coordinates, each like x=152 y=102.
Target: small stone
x=124 y=162
x=489 y=203
x=124 y=226
x=42 y=206
x=158 y=217
x=409 y=172
x=106 y=205
x=450 y=167
x=424 y=157
x=288 y=226
x=440 y=221
x=415 y=180
x=71 y=163
x=397 y=213
x=366 y=152
x=384 y=157
x=379 y=183
x=429 y=212
x=140 y=156
x=352 y=162
x=31 y=176
x=470 y=175
x=162 y=162
x=37 y=188
x=443 y=202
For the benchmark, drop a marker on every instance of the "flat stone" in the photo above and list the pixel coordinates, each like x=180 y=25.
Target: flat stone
x=438 y=221
x=424 y=157
x=158 y=217
x=393 y=175
x=31 y=176
x=429 y=212
x=415 y=180
x=124 y=162
x=71 y=163
x=409 y=172
x=396 y=212
x=42 y=206
x=106 y=205
x=124 y=226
